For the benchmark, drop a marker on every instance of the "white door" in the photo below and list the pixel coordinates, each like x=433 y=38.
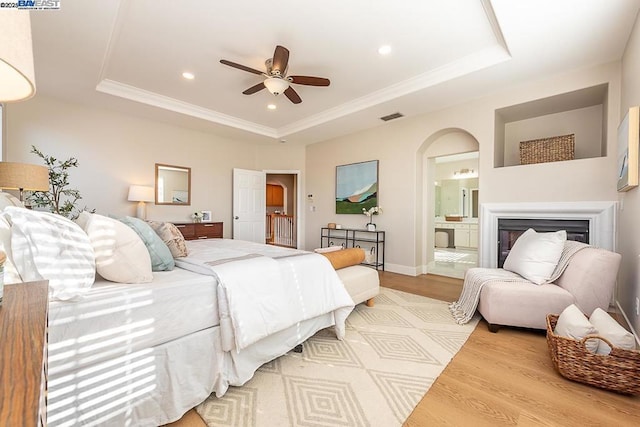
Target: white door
x=249 y=205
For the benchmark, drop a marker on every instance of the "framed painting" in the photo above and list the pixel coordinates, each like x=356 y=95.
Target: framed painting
x=628 y=144
x=356 y=187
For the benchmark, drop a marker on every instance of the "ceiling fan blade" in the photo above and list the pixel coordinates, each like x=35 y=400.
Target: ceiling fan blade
x=292 y=95
x=280 y=60
x=254 y=89
x=309 y=81
x=240 y=67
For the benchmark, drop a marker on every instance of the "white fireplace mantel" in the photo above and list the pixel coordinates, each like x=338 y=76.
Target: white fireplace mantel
x=601 y=217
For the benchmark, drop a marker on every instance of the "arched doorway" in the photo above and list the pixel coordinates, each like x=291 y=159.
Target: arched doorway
x=444 y=143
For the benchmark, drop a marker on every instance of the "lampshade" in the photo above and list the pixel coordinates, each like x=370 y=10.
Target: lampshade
x=17 y=76
x=24 y=176
x=276 y=85
x=140 y=193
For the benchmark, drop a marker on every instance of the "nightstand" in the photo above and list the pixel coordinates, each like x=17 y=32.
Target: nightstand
x=23 y=354
x=200 y=230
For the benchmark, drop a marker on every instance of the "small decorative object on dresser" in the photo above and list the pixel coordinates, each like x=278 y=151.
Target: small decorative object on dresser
x=206 y=216
x=199 y=230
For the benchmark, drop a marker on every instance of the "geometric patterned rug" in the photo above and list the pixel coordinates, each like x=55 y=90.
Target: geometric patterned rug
x=391 y=355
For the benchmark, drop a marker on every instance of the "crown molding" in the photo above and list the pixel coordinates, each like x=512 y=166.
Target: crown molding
x=132 y=93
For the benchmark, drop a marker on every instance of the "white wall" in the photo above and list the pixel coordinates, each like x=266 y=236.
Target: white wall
x=628 y=235
x=115 y=150
x=397 y=145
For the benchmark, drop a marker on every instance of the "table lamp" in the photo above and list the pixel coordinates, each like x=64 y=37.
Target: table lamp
x=141 y=194
x=23 y=176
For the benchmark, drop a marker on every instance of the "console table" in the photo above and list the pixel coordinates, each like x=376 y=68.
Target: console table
x=23 y=354
x=200 y=230
x=371 y=241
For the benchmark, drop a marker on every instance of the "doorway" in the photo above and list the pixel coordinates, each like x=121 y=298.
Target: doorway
x=281 y=222
x=456 y=214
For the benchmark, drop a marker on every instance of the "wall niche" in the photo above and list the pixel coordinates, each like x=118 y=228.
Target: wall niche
x=582 y=112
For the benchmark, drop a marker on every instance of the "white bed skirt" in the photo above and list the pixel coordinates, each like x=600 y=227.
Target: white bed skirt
x=157 y=385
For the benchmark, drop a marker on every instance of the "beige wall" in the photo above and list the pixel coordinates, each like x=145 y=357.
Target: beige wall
x=399 y=146
x=629 y=230
x=115 y=150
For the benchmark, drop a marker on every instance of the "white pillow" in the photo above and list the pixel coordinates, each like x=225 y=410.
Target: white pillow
x=11 y=274
x=49 y=246
x=611 y=330
x=534 y=255
x=121 y=256
x=572 y=323
x=7 y=199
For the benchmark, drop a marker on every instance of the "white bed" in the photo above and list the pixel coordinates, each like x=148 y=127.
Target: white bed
x=143 y=354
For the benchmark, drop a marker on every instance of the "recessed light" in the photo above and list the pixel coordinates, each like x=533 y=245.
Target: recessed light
x=271 y=106
x=187 y=75
x=384 y=49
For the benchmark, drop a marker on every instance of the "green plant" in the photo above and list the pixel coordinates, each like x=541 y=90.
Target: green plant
x=59 y=199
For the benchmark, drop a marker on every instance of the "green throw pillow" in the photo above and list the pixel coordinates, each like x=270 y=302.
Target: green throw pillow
x=161 y=258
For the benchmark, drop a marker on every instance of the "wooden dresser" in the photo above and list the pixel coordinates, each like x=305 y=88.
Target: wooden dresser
x=200 y=230
x=23 y=354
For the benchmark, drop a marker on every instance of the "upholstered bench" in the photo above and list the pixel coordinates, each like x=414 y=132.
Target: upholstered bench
x=361 y=282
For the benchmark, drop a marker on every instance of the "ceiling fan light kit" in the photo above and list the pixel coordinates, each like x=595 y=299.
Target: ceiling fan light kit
x=276 y=80
x=276 y=85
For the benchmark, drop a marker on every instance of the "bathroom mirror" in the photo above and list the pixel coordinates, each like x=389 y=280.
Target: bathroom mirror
x=173 y=185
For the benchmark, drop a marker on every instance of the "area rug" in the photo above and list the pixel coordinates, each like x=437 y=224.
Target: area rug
x=391 y=355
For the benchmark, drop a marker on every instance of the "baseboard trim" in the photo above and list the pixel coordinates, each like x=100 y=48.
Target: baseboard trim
x=402 y=269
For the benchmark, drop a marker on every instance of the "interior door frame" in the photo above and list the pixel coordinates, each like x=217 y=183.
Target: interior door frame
x=300 y=237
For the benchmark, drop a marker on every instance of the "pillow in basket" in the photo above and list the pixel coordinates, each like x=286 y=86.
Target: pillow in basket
x=572 y=323
x=612 y=331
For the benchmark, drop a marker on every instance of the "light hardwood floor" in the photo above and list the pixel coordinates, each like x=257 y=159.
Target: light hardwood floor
x=503 y=379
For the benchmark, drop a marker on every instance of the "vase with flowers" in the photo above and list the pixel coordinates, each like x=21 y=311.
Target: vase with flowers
x=375 y=210
x=197 y=217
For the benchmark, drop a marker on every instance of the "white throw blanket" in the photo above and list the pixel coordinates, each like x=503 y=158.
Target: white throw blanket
x=475 y=279
x=259 y=295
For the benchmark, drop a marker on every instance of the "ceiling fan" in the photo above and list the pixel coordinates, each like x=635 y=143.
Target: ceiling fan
x=277 y=81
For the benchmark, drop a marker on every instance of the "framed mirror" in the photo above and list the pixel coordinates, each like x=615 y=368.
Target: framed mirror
x=173 y=185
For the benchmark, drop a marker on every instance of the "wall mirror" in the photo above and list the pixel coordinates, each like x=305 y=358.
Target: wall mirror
x=173 y=185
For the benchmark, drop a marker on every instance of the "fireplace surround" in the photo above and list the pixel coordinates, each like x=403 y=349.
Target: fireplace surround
x=601 y=217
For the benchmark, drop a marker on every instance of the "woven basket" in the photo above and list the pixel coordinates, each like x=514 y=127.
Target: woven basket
x=617 y=371
x=554 y=149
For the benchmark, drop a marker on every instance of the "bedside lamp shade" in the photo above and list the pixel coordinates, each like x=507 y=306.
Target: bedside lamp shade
x=17 y=76
x=23 y=176
x=141 y=194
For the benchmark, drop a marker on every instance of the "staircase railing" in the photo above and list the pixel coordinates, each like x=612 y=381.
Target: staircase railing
x=281 y=230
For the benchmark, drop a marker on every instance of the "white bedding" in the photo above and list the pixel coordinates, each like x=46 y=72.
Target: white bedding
x=115 y=319
x=265 y=289
x=143 y=354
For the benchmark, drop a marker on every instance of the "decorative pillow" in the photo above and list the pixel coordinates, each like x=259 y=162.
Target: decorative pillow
x=161 y=258
x=121 y=256
x=534 y=255
x=11 y=274
x=49 y=246
x=572 y=323
x=345 y=257
x=171 y=236
x=611 y=330
x=7 y=199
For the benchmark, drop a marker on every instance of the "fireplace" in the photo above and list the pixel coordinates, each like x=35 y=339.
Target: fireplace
x=509 y=229
x=600 y=216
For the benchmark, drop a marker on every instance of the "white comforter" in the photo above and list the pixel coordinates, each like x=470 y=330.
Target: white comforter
x=265 y=289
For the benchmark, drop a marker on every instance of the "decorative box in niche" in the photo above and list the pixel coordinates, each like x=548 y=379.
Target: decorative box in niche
x=553 y=149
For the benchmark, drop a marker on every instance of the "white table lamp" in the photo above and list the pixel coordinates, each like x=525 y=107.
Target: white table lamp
x=141 y=194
